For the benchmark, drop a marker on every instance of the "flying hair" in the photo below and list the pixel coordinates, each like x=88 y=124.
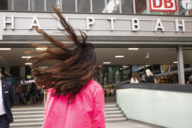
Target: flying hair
x=74 y=64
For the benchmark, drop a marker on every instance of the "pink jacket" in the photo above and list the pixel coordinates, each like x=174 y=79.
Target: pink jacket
x=86 y=111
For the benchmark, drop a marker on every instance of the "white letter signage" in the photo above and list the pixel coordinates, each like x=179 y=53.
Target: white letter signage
x=112 y=22
x=90 y=23
x=12 y=22
x=34 y=23
x=59 y=24
x=159 y=25
x=178 y=25
x=135 y=24
x=163 y=5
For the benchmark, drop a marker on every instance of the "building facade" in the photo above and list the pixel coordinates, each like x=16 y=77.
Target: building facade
x=111 y=25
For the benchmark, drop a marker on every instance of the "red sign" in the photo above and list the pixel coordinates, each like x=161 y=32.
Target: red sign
x=163 y=5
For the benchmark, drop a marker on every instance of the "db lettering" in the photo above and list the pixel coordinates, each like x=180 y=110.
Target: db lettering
x=163 y=5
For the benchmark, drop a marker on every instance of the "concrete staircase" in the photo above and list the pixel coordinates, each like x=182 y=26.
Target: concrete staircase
x=33 y=117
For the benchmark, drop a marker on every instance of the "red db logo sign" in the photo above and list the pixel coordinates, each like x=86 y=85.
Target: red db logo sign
x=163 y=5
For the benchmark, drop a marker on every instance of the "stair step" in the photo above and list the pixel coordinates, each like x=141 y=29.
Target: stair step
x=28 y=116
x=114 y=116
x=116 y=119
x=112 y=112
x=28 y=120
x=19 y=125
x=111 y=109
x=28 y=112
x=27 y=109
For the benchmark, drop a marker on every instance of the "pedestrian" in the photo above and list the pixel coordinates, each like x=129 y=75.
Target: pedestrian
x=105 y=92
x=111 y=92
x=24 y=91
x=143 y=78
x=7 y=99
x=149 y=77
x=17 y=93
x=33 y=93
x=134 y=78
x=74 y=99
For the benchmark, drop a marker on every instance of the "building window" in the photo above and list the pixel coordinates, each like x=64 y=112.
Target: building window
x=37 y=5
x=98 y=6
x=56 y=3
x=139 y=4
x=21 y=5
x=83 y=6
x=68 y=5
x=127 y=6
x=112 y=6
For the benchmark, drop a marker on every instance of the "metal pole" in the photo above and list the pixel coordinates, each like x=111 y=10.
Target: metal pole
x=12 y=5
x=29 y=2
x=148 y=11
x=134 y=7
x=91 y=6
x=45 y=7
x=120 y=6
x=76 y=10
x=61 y=7
x=180 y=65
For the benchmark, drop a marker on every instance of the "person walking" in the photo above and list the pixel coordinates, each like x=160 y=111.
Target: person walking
x=7 y=99
x=17 y=93
x=74 y=99
x=134 y=78
x=24 y=91
x=149 y=77
x=33 y=93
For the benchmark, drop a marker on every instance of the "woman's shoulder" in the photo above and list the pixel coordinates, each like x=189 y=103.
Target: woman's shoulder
x=94 y=86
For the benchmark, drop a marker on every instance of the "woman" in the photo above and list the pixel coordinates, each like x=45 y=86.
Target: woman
x=149 y=77
x=74 y=99
x=134 y=78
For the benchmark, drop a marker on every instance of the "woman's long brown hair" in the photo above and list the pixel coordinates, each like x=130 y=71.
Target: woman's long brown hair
x=75 y=65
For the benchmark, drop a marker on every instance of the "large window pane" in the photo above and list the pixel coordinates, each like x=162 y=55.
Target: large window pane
x=5 y=4
x=112 y=6
x=83 y=6
x=21 y=5
x=141 y=6
x=37 y=5
x=127 y=6
x=56 y=3
x=98 y=6
x=68 y=5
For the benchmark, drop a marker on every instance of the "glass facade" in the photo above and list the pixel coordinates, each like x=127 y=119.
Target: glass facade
x=68 y=5
x=98 y=6
x=21 y=5
x=55 y=3
x=37 y=5
x=83 y=6
x=87 y=6
x=112 y=6
x=127 y=6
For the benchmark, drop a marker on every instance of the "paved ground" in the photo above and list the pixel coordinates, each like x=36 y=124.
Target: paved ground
x=128 y=124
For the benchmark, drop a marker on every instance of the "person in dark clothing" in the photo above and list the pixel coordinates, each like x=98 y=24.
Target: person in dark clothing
x=149 y=77
x=33 y=92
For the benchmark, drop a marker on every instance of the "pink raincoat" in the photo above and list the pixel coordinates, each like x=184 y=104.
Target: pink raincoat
x=86 y=110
